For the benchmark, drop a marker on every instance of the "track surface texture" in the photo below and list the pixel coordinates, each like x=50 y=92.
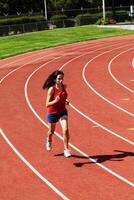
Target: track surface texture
x=100 y=82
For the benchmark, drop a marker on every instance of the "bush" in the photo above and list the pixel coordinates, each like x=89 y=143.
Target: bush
x=112 y=21
x=85 y=19
x=21 y=20
x=122 y=16
x=58 y=20
x=101 y=21
x=69 y=22
x=58 y=17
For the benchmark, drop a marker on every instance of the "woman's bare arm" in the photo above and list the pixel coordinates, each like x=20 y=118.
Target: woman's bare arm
x=50 y=102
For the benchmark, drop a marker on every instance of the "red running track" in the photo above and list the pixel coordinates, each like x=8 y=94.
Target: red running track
x=99 y=75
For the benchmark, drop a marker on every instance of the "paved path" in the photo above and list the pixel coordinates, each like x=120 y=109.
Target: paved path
x=130 y=27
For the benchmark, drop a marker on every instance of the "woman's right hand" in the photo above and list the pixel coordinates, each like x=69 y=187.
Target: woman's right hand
x=57 y=98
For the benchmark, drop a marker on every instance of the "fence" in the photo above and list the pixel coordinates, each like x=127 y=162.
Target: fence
x=22 y=28
x=36 y=26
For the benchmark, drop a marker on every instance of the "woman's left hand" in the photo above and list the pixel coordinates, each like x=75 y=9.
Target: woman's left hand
x=67 y=102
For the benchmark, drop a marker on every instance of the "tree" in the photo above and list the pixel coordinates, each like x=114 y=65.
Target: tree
x=4 y=7
x=24 y=6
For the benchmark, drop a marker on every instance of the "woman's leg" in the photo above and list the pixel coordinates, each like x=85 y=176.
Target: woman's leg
x=51 y=129
x=49 y=137
x=64 y=124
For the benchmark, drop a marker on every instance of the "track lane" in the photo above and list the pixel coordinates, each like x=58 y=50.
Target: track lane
x=17 y=181
x=123 y=71
x=99 y=77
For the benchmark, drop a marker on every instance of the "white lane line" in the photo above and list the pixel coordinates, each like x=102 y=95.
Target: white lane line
x=32 y=168
x=21 y=59
x=133 y=63
x=31 y=61
x=99 y=125
x=109 y=69
x=97 y=93
x=74 y=147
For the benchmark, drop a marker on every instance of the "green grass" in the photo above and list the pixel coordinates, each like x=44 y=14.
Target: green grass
x=13 y=45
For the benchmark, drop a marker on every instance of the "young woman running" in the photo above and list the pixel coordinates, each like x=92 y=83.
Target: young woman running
x=56 y=102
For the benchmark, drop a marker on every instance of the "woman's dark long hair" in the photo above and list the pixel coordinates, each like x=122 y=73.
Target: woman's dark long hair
x=50 y=81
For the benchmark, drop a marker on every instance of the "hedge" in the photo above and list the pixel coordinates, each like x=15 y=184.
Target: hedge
x=21 y=20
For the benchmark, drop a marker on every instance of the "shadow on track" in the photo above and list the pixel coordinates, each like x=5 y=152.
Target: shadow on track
x=101 y=158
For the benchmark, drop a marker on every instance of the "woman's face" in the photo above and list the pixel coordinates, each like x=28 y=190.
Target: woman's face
x=59 y=79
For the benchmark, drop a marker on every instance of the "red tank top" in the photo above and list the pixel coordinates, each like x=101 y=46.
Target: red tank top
x=58 y=107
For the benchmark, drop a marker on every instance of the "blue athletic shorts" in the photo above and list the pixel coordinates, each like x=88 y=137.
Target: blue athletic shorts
x=53 y=118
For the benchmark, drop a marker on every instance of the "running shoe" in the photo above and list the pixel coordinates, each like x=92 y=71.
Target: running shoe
x=67 y=153
x=48 y=145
